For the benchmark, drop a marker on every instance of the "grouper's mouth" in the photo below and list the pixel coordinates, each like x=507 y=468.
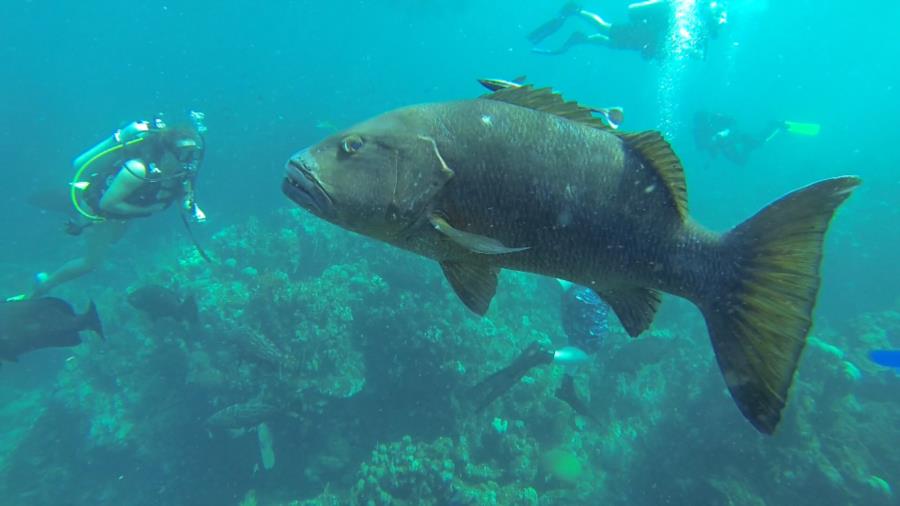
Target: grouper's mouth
x=301 y=186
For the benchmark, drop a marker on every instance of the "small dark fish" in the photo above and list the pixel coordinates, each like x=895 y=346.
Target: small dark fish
x=237 y=416
x=160 y=302
x=48 y=322
x=887 y=358
x=495 y=84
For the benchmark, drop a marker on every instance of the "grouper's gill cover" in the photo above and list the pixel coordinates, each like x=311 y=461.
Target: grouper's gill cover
x=522 y=179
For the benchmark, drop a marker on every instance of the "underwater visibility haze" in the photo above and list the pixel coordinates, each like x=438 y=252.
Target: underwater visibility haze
x=665 y=237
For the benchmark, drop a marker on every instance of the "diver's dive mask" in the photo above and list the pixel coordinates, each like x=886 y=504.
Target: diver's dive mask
x=189 y=154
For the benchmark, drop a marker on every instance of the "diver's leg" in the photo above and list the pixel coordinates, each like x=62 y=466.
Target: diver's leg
x=596 y=20
x=98 y=239
x=550 y=27
x=576 y=39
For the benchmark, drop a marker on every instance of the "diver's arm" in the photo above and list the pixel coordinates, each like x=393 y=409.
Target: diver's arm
x=129 y=179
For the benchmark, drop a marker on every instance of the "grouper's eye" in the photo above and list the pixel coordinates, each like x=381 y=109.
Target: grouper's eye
x=351 y=144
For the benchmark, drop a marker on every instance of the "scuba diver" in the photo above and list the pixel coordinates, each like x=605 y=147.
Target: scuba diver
x=142 y=169
x=585 y=320
x=646 y=30
x=719 y=134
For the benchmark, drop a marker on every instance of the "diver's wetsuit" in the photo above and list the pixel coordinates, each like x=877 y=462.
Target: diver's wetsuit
x=585 y=318
x=645 y=31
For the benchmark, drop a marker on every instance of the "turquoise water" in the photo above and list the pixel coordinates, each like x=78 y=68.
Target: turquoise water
x=374 y=348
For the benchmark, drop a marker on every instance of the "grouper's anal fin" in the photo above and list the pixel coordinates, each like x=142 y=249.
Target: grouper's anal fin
x=635 y=306
x=475 y=284
x=659 y=155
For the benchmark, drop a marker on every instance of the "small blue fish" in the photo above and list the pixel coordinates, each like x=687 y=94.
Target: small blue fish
x=887 y=358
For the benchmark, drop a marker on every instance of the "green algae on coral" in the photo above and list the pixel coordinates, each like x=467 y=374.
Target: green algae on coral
x=563 y=465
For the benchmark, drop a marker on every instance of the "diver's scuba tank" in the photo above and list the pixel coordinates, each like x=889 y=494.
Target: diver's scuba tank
x=132 y=133
x=129 y=134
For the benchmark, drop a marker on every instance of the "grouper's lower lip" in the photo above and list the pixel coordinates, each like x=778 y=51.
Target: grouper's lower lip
x=301 y=187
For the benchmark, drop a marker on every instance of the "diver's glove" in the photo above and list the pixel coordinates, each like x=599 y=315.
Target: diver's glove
x=192 y=211
x=196 y=214
x=73 y=228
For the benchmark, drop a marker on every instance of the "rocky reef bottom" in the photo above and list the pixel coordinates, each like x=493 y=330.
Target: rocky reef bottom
x=327 y=369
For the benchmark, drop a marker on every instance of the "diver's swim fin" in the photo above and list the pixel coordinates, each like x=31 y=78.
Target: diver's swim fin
x=550 y=27
x=567 y=393
x=495 y=385
x=807 y=129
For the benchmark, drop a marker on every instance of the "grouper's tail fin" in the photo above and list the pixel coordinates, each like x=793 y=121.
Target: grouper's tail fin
x=90 y=320
x=759 y=317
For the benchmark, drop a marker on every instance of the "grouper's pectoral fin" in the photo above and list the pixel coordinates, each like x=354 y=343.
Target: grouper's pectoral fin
x=473 y=242
x=635 y=306
x=475 y=284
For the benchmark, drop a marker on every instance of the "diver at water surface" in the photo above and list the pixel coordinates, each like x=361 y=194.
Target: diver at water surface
x=646 y=31
x=142 y=169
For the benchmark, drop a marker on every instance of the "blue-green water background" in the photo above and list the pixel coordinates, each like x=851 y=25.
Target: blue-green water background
x=269 y=75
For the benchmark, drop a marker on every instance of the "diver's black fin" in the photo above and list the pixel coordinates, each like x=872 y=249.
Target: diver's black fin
x=475 y=284
x=635 y=306
x=90 y=320
x=656 y=151
x=495 y=385
x=567 y=393
x=760 y=314
x=548 y=101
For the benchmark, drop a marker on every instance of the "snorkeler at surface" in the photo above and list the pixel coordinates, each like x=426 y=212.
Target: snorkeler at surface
x=646 y=30
x=585 y=320
x=139 y=171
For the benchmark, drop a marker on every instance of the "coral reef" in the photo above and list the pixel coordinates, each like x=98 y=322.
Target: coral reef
x=356 y=362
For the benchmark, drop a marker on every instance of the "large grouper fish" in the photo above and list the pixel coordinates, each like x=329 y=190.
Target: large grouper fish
x=522 y=179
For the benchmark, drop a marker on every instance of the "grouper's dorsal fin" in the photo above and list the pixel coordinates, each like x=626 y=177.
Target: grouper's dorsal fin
x=658 y=154
x=546 y=100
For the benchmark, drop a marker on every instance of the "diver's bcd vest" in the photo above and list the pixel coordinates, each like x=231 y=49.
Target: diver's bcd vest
x=96 y=168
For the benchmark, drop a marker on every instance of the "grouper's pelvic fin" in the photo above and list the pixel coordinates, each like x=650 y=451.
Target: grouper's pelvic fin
x=759 y=316
x=473 y=242
x=475 y=284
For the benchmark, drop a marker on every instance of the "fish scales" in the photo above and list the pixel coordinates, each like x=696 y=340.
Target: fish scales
x=598 y=213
